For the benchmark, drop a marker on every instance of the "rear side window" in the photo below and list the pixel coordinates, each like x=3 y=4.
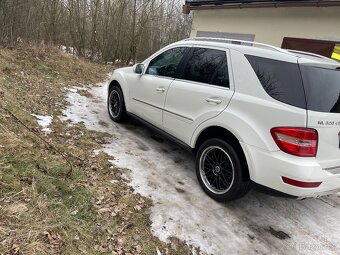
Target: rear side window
x=281 y=80
x=322 y=88
x=207 y=66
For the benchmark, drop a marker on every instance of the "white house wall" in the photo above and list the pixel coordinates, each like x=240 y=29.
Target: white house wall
x=270 y=25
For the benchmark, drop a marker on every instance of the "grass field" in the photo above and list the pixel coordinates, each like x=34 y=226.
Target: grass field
x=45 y=208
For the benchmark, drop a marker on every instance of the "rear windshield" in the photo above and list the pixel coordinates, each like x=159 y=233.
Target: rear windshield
x=322 y=88
x=281 y=80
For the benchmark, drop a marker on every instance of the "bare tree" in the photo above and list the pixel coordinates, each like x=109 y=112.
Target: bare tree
x=102 y=30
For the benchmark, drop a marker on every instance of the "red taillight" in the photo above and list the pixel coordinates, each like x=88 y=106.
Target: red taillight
x=301 y=142
x=301 y=184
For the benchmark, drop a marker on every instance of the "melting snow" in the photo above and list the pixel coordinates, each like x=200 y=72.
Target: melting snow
x=256 y=224
x=44 y=122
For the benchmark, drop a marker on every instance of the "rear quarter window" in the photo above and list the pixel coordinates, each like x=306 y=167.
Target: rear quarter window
x=281 y=80
x=322 y=88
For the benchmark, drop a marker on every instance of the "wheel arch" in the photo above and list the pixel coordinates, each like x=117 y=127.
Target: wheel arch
x=226 y=135
x=114 y=83
x=120 y=84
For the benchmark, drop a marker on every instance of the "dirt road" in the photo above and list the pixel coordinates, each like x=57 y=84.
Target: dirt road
x=159 y=169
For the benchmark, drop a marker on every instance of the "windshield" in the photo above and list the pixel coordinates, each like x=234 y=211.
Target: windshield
x=322 y=87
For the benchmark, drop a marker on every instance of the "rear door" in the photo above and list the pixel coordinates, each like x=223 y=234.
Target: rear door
x=203 y=91
x=322 y=88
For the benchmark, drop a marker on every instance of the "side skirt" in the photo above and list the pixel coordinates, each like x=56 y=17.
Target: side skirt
x=161 y=132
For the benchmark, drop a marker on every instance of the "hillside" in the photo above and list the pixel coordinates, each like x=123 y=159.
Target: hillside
x=56 y=196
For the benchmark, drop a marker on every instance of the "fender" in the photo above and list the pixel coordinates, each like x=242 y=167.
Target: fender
x=121 y=76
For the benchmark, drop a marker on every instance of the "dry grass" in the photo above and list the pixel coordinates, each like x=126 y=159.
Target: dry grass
x=41 y=212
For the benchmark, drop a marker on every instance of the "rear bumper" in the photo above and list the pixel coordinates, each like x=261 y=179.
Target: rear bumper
x=267 y=169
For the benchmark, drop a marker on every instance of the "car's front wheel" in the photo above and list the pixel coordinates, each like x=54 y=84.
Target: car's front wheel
x=219 y=171
x=116 y=104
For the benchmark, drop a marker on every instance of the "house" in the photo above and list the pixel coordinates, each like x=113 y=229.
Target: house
x=308 y=25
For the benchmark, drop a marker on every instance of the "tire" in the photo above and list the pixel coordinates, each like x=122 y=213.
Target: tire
x=219 y=171
x=116 y=105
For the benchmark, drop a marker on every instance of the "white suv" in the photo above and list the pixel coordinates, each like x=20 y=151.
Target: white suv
x=250 y=112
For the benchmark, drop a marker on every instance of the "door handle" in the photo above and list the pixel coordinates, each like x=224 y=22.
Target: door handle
x=211 y=100
x=160 y=89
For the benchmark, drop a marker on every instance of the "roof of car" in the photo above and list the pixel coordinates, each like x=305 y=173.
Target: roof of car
x=257 y=49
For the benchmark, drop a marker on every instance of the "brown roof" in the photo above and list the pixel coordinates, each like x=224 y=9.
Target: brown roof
x=235 y=4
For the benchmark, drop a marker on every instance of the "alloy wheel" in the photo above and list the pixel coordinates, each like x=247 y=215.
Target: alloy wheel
x=216 y=170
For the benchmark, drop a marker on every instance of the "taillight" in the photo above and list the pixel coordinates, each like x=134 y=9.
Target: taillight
x=301 y=142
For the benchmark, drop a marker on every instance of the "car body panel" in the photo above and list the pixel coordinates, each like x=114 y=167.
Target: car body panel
x=328 y=127
x=182 y=116
x=147 y=97
x=246 y=111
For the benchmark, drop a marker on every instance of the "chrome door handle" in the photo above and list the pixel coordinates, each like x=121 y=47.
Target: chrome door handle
x=160 y=89
x=211 y=100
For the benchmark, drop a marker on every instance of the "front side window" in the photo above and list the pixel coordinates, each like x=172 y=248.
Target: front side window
x=166 y=64
x=207 y=66
x=281 y=80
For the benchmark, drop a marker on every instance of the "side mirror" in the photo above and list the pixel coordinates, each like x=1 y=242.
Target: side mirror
x=138 y=69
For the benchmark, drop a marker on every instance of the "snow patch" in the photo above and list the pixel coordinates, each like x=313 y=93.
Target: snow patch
x=160 y=170
x=44 y=121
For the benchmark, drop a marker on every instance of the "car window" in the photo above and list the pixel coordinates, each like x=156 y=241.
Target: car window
x=166 y=64
x=221 y=77
x=322 y=88
x=207 y=66
x=281 y=80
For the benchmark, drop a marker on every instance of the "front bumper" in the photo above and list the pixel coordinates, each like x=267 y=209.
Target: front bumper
x=267 y=168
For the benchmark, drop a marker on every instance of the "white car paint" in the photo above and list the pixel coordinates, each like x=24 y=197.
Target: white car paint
x=183 y=110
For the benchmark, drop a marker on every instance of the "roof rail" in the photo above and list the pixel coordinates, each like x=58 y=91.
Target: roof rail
x=312 y=54
x=231 y=41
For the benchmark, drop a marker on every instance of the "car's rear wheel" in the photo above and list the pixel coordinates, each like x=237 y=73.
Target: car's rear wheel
x=116 y=104
x=219 y=171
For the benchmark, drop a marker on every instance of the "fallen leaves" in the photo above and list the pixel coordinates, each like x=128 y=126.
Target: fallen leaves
x=125 y=227
x=16 y=209
x=73 y=213
x=27 y=180
x=15 y=249
x=137 y=207
x=138 y=249
x=104 y=210
x=54 y=239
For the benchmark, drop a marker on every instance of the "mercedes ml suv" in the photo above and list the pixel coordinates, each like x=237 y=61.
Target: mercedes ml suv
x=251 y=113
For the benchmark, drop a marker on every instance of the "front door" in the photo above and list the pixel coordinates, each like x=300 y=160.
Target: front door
x=147 y=94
